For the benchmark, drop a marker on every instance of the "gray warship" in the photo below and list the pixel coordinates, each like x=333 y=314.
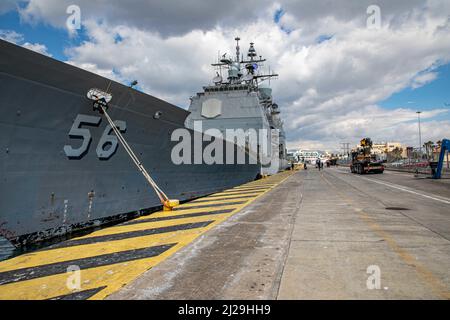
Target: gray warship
x=242 y=101
x=61 y=168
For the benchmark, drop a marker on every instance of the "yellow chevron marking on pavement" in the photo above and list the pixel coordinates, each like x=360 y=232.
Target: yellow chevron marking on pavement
x=111 y=277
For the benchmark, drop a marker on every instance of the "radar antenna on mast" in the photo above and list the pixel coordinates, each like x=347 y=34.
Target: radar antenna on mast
x=252 y=64
x=237 y=48
x=251 y=51
x=217 y=79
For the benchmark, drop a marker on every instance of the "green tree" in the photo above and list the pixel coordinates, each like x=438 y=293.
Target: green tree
x=395 y=154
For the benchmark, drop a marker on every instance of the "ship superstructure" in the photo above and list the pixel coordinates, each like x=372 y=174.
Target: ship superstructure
x=243 y=101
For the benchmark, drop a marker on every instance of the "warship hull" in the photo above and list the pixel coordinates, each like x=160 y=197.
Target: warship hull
x=60 y=169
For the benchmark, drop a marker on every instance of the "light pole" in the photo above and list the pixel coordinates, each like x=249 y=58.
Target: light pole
x=420 y=134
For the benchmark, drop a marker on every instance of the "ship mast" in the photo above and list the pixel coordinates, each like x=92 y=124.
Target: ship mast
x=237 y=48
x=235 y=73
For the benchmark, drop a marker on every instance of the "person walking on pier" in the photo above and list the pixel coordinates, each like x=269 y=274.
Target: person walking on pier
x=318 y=164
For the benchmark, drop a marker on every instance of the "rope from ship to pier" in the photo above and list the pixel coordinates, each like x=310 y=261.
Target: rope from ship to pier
x=168 y=204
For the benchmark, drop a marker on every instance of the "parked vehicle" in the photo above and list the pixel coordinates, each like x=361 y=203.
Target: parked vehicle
x=363 y=161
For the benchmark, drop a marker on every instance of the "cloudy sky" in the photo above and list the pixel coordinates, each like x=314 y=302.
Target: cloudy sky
x=344 y=74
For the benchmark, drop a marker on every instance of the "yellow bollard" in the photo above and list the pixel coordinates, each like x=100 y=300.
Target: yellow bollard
x=170 y=204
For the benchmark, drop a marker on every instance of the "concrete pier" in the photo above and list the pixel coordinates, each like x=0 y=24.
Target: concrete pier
x=297 y=235
x=319 y=235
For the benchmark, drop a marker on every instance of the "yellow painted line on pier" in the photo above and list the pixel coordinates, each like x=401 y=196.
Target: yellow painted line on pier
x=111 y=257
x=162 y=214
x=227 y=196
x=99 y=248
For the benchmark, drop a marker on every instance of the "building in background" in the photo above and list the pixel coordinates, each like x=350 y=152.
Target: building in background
x=292 y=155
x=390 y=151
x=311 y=156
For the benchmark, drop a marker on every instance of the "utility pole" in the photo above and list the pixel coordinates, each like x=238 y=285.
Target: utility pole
x=420 y=134
x=346 y=149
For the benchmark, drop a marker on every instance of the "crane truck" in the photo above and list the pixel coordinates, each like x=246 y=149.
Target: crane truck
x=363 y=161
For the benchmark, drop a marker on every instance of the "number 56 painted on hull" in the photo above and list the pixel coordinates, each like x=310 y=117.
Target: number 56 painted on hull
x=76 y=132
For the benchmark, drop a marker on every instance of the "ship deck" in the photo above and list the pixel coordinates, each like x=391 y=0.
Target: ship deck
x=295 y=235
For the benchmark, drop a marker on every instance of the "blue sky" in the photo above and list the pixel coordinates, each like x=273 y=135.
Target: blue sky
x=431 y=96
x=56 y=39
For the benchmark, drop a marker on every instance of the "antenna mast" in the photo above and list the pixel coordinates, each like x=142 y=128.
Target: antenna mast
x=237 y=48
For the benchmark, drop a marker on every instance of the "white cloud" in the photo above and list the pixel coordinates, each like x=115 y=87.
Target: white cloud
x=11 y=36
x=17 y=38
x=328 y=91
x=165 y=17
x=375 y=122
x=422 y=79
x=91 y=67
x=38 y=47
x=173 y=68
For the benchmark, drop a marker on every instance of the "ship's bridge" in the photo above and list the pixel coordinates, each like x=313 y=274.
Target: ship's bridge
x=226 y=87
